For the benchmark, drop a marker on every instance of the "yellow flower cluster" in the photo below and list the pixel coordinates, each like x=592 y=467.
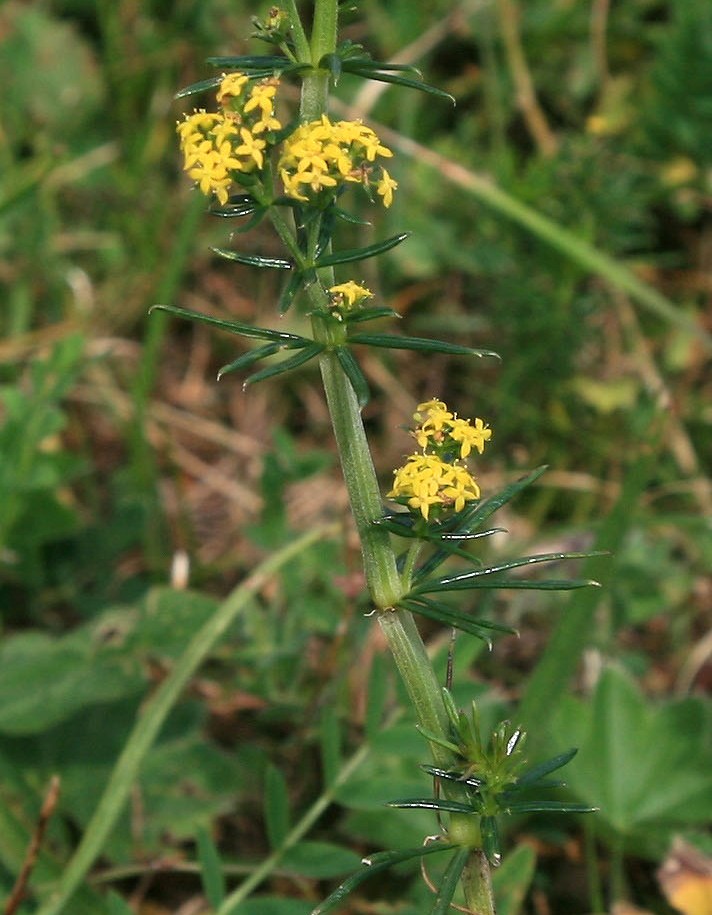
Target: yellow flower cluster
x=321 y=157
x=349 y=295
x=436 y=478
x=218 y=146
x=437 y=425
x=426 y=480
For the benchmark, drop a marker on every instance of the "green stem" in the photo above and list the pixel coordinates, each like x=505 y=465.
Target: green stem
x=301 y=43
x=152 y=716
x=477 y=884
x=382 y=576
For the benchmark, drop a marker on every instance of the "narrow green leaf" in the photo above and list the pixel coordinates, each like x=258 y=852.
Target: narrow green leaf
x=237 y=327
x=289 y=293
x=286 y=365
x=490 y=840
x=330 y=744
x=548 y=807
x=211 y=872
x=432 y=803
x=400 y=528
x=203 y=86
x=370 y=314
x=517 y=584
x=445 y=615
x=464 y=580
x=254 y=220
x=353 y=372
x=376 y=864
x=421 y=344
x=381 y=76
x=242 y=205
x=536 y=773
x=475 y=535
x=450 y=881
x=257 y=64
x=253 y=260
x=249 y=358
x=360 y=254
x=350 y=217
x=276 y=806
x=332 y=63
x=438 y=741
x=446 y=609
x=469 y=780
x=474 y=515
x=367 y=63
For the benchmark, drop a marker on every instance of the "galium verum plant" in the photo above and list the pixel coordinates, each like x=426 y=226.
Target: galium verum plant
x=299 y=173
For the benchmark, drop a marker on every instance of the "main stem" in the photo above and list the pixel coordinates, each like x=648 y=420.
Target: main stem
x=384 y=582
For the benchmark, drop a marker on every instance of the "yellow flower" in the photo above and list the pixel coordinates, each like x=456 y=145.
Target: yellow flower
x=212 y=176
x=469 y=436
x=251 y=147
x=385 y=188
x=231 y=87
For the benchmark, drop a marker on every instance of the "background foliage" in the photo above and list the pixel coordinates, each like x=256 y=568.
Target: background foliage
x=119 y=454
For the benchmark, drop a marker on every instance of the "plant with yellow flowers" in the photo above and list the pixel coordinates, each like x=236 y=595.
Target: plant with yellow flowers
x=253 y=163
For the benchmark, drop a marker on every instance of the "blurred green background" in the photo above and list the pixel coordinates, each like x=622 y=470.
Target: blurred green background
x=121 y=457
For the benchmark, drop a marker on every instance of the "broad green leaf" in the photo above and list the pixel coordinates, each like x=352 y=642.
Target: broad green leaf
x=44 y=680
x=330 y=745
x=376 y=697
x=254 y=260
x=236 y=327
x=319 y=860
x=512 y=880
x=304 y=355
x=249 y=358
x=376 y=864
x=646 y=765
x=211 y=872
x=117 y=905
x=421 y=344
x=270 y=905
x=276 y=806
x=353 y=372
x=360 y=254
